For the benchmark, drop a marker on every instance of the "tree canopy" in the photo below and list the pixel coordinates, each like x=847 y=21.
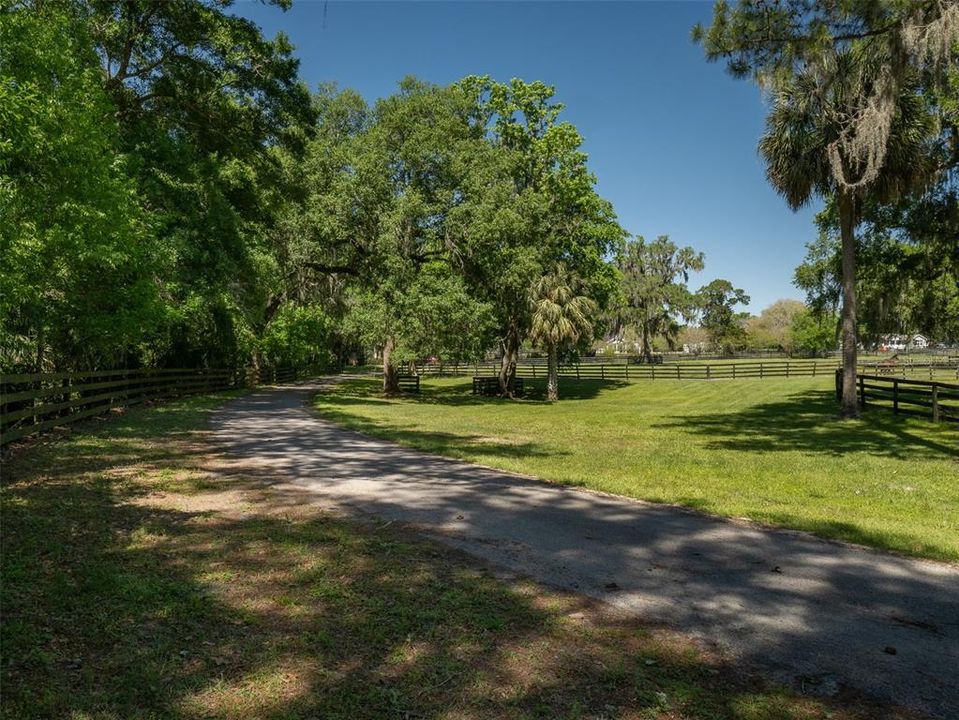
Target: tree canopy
x=850 y=118
x=172 y=195
x=654 y=296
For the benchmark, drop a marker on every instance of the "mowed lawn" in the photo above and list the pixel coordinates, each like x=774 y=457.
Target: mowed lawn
x=769 y=450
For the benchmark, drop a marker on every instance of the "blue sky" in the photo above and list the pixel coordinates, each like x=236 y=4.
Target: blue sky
x=671 y=138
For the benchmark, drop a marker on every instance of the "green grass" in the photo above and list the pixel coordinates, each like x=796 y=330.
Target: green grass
x=770 y=450
x=144 y=577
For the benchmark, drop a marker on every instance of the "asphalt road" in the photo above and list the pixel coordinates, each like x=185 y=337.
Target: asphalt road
x=811 y=613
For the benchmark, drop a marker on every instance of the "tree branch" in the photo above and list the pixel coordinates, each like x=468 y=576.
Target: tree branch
x=330 y=269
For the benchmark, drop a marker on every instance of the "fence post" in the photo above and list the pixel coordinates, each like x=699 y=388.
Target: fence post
x=935 y=403
x=627 y=369
x=895 y=396
x=734 y=371
x=838 y=385
x=677 y=372
x=602 y=371
x=653 y=367
x=760 y=371
x=787 y=368
x=577 y=371
x=862 y=392
x=707 y=371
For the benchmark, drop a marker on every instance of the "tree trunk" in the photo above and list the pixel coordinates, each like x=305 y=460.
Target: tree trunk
x=41 y=344
x=552 y=375
x=507 y=371
x=391 y=383
x=849 y=405
x=647 y=348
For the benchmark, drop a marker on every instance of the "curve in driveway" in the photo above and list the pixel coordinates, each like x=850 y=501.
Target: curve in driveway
x=803 y=609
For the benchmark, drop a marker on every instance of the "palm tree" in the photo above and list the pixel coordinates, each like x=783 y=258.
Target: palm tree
x=560 y=316
x=828 y=134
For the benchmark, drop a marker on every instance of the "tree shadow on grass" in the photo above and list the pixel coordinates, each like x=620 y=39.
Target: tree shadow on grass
x=456 y=445
x=573 y=389
x=460 y=393
x=850 y=532
x=808 y=421
x=119 y=604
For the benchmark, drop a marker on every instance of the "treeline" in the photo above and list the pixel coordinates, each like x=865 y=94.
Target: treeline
x=172 y=195
x=143 y=172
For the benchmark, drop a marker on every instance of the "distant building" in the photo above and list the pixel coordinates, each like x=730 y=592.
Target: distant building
x=893 y=342
x=902 y=342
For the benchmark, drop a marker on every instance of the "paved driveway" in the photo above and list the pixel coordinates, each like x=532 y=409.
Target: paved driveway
x=810 y=612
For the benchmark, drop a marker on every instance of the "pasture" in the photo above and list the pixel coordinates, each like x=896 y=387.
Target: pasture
x=769 y=450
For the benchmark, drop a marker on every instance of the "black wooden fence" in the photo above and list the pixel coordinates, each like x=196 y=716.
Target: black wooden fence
x=628 y=372
x=926 y=398
x=33 y=403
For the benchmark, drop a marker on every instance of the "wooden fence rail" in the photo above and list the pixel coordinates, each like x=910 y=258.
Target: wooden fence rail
x=33 y=403
x=926 y=398
x=628 y=372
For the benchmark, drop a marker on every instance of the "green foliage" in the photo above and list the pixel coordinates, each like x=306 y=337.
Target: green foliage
x=173 y=196
x=773 y=327
x=532 y=205
x=770 y=41
x=653 y=295
x=141 y=177
x=848 y=115
x=807 y=128
x=434 y=317
x=560 y=317
x=443 y=320
x=201 y=96
x=77 y=283
x=409 y=162
x=909 y=268
x=297 y=336
x=717 y=302
x=559 y=314
x=813 y=333
x=432 y=215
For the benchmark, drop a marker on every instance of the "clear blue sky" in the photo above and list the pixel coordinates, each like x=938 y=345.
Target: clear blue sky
x=671 y=137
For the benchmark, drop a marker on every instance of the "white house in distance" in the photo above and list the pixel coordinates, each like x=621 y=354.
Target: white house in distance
x=903 y=342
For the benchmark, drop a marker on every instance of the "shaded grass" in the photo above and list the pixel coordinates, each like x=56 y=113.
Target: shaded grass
x=771 y=450
x=143 y=580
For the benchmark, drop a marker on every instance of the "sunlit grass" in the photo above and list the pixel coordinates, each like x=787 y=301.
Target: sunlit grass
x=770 y=450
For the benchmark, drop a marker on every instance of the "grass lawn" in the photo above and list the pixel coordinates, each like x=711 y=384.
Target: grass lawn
x=769 y=450
x=144 y=577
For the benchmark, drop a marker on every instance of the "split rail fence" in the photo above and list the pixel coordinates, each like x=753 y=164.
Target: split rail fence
x=33 y=403
x=630 y=372
x=926 y=398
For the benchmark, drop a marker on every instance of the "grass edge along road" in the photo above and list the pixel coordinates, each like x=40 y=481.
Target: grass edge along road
x=147 y=577
x=772 y=451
